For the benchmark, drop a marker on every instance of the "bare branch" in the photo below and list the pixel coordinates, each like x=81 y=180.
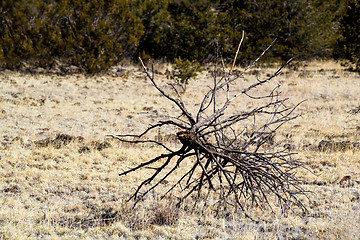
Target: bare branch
x=234 y=157
x=237 y=51
x=180 y=104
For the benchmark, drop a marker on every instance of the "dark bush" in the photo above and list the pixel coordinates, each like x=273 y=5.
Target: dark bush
x=183 y=71
x=300 y=27
x=175 y=29
x=93 y=35
x=99 y=34
x=21 y=26
x=348 y=44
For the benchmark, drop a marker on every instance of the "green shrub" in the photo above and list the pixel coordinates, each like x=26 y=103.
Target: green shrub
x=93 y=35
x=174 y=29
x=19 y=24
x=184 y=70
x=97 y=34
x=296 y=25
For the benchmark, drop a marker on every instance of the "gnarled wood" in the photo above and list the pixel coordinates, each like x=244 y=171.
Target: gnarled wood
x=242 y=168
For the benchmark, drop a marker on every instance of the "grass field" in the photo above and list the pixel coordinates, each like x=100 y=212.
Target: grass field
x=59 y=174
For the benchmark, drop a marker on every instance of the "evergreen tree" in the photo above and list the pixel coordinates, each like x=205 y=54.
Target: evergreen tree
x=156 y=20
x=174 y=29
x=291 y=22
x=21 y=23
x=91 y=34
x=348 y=45
x=98 y=34
x=192 y=30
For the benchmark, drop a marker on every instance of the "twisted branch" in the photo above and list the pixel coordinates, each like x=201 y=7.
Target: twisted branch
x=237 y=164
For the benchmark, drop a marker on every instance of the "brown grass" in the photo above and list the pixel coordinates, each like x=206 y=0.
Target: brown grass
x=73 y=191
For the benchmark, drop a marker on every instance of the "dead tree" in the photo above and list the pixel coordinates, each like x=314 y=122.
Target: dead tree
x=231 y=159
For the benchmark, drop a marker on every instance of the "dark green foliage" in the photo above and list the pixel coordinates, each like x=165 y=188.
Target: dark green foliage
x=157 y=22
x=193 y=29
x=174 y=29
x=95 y=35
x=190 y=29
x=21 y=25
x=348 y=44
x=327 y=15
x=98 y=33
x=293 y=23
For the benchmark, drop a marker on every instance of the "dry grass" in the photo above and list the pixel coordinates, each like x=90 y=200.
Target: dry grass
x=73 y=191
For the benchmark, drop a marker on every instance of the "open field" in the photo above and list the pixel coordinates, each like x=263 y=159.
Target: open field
x=59 y=174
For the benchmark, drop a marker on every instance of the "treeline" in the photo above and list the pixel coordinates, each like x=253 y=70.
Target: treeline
x=97 y=34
